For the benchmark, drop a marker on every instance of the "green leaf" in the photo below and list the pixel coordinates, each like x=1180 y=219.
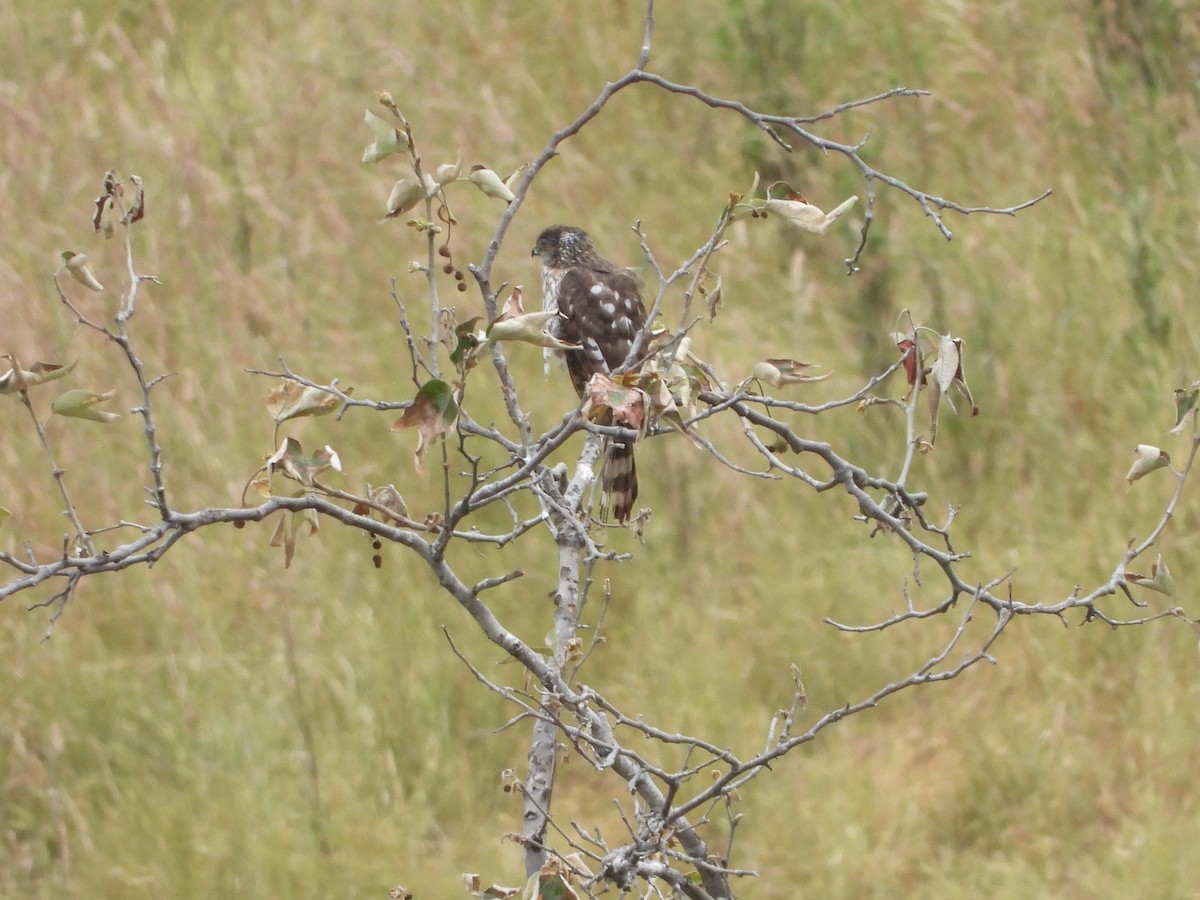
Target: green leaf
x=1160 y=578
x=432 y=413
x=80 y=404
x=442 y=397
x=463 y=355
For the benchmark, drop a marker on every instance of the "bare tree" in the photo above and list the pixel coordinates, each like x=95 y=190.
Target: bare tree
x=663 y=391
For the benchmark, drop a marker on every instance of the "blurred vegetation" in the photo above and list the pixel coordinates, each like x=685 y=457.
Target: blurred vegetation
x=221 y=726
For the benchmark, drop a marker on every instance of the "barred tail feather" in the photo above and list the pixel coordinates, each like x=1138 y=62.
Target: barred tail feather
x=619 y=480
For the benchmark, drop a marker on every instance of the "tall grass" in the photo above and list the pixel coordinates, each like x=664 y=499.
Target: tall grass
x=220 y=726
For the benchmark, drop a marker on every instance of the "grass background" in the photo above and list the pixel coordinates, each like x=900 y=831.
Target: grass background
x=221 y=726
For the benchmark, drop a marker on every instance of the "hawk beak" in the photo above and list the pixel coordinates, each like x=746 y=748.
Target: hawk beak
x=533 y=252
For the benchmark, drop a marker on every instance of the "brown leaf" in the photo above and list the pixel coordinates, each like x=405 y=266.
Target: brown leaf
x=292 y=526
x=291 y=400
x=105 y=203
x=137 y=206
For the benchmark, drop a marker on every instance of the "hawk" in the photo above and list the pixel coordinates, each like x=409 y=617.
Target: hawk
x=602 y=312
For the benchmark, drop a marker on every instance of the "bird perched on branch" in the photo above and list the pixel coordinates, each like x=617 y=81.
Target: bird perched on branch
x=602 y=312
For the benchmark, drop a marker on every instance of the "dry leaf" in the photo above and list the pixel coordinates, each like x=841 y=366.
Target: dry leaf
x=388 y=138
x=136 y=210
x=489 y=182
x=290 y=527
x=76 y=265
x=16 y=379
x=1160 y=578
x=290 y=460
x=946 y=373
x=1148 y=459
x=1185 y=402
x=405 y=194
x=805 y=215
x=778 y=372
x=290 y=400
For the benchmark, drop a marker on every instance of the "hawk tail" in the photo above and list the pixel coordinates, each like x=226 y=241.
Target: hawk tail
x=619 y=480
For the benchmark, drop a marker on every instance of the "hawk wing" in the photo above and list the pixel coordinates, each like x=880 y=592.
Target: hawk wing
x=602 y=312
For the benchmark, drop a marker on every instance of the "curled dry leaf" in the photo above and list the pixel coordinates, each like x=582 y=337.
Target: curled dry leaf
x=511 y=181
x=16 y=379
x=778 y=372
x=1185 y=402
x=1147 y=460
x=665 y=409
x=513 y=305
x=429 y=183
x=292 y=526
x=489 y=182
x=514 y=324
x=447 y=172
x=389 y=498
x=109 y=191
x=910 y=352
x=1160 y=578
x=388 y=138
x=799 y=212
x=80 y=404
x=529 y=328
x=432 y=413
x=136 y=210
x=405 y=194
x=291 y=461
x=76 y=265
x=946 y=373
x=290 y=400
x=711 y=288
x=474 y=884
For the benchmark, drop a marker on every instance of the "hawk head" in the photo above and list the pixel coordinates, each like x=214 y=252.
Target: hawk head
x=562 y=246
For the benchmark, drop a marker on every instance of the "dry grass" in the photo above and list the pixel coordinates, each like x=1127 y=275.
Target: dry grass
x=155 y=748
